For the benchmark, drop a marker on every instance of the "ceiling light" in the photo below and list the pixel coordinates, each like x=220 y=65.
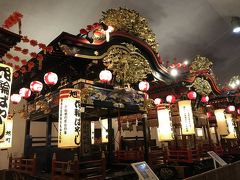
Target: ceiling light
x=174 y=72
x=236 y=24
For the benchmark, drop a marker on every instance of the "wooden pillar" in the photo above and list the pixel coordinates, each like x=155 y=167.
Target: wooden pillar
x=28 y=141
x=48 y=144
x=146 y=136
x=110 y=146
x=49 y=131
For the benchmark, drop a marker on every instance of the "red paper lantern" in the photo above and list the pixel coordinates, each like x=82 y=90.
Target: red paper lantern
x=15 y=98
x=25 y=92
x=170 y=99
x=143 y=86
x=105 y=76
x=36 y=86
x=158 y=101
x=204 y=99
x=50 y=78
x=192 y=95
x=231 y=108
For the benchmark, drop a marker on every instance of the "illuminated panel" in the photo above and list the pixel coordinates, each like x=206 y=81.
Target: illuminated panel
x=69 y=122
x=185 y=110
x=164 y=129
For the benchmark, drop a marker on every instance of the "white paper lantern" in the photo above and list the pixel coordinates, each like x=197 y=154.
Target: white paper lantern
x=164 y=129
x=105 y=76
x=36 y=86
x=143 y=86
x=185 y=111
x=25 y=92
x=69 y=123
x=50 y=78
x=15 y=98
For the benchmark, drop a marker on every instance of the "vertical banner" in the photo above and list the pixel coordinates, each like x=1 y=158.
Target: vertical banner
x=164 y=129
x=221 y=122
x=231 y=128
x=5 y=90
x=185 y=110
x=92 y=132
x=69 y=122
x=7 y=143
x=104 y=128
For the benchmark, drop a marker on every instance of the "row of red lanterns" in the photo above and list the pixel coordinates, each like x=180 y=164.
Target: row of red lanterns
x=50 y=78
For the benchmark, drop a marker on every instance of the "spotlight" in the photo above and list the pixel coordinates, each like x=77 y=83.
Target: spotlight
x=236 y=24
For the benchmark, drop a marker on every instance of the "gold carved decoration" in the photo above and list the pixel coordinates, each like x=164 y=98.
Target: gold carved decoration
x=202 y=86
x=127 y=64
x=130 y=21
x=200 y=63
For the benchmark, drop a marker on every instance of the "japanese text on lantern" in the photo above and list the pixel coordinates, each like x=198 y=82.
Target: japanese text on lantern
x=69 y=133
x=5 y=88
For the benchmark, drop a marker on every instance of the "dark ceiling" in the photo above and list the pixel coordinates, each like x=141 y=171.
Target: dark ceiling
x=183 y=28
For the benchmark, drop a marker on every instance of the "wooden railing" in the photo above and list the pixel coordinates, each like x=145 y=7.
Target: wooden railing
x=131 y=155
x=157 y=158
x=85 y=170
x=27 y=166
x=229 y=172
x=181 y=155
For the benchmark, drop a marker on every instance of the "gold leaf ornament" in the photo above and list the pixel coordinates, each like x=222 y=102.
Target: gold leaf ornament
x=201 y=63
x=202 y=86
x=123 y=19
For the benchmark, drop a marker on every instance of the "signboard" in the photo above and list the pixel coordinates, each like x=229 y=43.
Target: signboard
x=215 y=157
x=144 y=171
x=8 y=133
x=185 y=111
x=69 y=122
x=5 y=88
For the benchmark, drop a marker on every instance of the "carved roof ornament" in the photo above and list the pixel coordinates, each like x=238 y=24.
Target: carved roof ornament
x=127 y=64
x=123 y=19
x=200 y=63
x=202 y=86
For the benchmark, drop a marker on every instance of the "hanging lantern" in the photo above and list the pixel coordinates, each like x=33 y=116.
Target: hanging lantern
x=92 y=132
x=164 y=129
x=231 y=108
x=5 y=91
x=69 y=121
x=8 y=125
x=105 y=76
x=221 y=122
x=25 y=92
x=158 y=101
x=204 y=99
x=185 y=111
x=192 y=95
x=143 y=86
x=15 y=98
x=170 y=99
x=104 y=128
x=199 y=132
x=50 y=78
x=231 y=129
x=36 y=86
